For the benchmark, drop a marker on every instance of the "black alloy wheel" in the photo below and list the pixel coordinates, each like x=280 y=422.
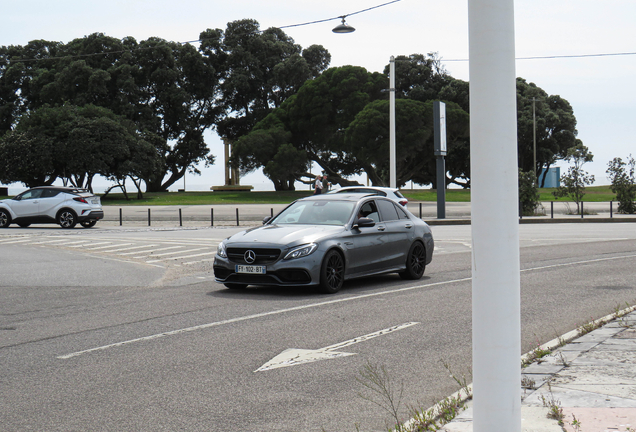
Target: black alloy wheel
x=332 y=272
x=5 y=218
x=67 y=219
x=415 y=262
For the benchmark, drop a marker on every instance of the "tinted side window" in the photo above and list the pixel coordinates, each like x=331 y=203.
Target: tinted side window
x=49 y=193
x=370 y=211
x=400 y=211
x=387 y=210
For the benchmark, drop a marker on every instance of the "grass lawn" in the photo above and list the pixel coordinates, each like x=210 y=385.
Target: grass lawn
x=592 y=194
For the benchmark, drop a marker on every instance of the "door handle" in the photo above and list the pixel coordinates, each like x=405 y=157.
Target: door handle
x=409 y=225
x=381 y=228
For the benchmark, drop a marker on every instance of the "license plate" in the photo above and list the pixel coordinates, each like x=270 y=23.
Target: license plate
x=95 y=201
x=251 y=269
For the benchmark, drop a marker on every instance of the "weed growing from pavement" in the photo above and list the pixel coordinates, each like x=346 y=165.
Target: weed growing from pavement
x=528 y=383
x=576 y=424
x=555 y=411
x=535 y=355
x=563 y=360
x=461 y=381
x=382 y=391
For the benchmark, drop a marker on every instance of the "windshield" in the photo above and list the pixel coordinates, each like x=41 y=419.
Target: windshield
x=316 y=213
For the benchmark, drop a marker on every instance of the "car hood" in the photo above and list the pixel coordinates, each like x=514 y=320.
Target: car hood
x=289 y=235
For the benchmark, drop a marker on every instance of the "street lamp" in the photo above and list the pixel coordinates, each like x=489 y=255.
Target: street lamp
x=392 y=146
x=343 y=27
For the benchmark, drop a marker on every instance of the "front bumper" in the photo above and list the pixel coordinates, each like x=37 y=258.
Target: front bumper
x=301 y=271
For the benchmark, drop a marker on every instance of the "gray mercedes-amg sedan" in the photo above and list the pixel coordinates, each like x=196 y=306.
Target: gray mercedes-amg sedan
x=325 y=240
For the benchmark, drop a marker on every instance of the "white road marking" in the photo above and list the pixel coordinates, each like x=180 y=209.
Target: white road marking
x=109 y=247
x=15 y=241
x=295 y=356
x=309 y=306
x=131 y=248
x=92 y=244
x=182 y=257
x=199 y=261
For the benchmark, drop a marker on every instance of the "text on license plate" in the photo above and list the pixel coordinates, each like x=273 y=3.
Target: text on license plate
x=251 y=269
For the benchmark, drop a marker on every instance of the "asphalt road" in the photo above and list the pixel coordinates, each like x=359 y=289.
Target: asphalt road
x=124 y=329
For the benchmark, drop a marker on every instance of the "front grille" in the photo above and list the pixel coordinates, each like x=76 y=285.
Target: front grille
x=263 y=255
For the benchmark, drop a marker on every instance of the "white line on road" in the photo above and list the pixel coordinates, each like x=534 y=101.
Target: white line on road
x=131 y=248
x=109 y=247
x=92 y=244
x=15 y=241
x=182 y=257
x=309 y=306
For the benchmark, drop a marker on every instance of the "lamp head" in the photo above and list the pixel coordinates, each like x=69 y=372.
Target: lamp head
x=344 y=27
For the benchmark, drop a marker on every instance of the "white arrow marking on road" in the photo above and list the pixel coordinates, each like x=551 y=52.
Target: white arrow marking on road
x=295 y=356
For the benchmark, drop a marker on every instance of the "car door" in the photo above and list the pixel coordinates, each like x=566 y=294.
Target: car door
x=365 y=244
x=26 y=204
x=49 y=200
x=397 y=233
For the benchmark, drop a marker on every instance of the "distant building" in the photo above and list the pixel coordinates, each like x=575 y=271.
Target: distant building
x=552 y=179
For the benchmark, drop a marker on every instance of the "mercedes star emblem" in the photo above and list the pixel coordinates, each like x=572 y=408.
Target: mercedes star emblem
x=250 y=256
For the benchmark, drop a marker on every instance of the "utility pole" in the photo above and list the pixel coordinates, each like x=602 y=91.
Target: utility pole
x=495 y=225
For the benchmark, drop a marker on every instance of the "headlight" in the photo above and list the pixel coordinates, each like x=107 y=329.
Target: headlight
x=301 y=251
x=220 y=251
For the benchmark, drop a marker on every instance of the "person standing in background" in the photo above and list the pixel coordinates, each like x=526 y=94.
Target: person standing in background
x=318 y=186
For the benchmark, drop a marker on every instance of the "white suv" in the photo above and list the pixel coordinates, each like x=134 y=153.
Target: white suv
x=66 y=206
x=393 y=194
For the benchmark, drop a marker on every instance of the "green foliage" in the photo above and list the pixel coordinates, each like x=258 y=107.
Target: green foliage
x=621 y=174
x=75 y=144
x=554 y=123
x=172 y=92
x=528 y=193
x=574 y=181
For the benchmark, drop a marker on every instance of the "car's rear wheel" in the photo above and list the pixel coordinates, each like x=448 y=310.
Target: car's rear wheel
x=67 y=219
x=24 y=225
x=415 y=262
x=235 y=286
x=88 y=224
x=332 y=272
x=5 y=218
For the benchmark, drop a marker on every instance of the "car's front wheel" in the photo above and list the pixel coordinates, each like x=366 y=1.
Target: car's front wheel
x=5 y=218
x=67 y=219
x=88 y=224
x=415 y=262
x=332 y=272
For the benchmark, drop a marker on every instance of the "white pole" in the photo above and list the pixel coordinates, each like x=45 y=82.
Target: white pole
x=392 y=157
x=495 y=223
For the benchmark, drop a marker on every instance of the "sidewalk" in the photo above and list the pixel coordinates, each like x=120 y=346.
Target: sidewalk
x=252 y=214
x=591 y=380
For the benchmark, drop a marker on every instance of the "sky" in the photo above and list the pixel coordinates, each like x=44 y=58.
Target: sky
x=600 y=88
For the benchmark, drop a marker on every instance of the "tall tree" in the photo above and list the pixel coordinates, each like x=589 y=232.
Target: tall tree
x=313 y=121
x=367 y=139
x=261 y=70
x=554 y=123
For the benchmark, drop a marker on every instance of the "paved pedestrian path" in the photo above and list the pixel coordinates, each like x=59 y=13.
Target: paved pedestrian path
x=587 y=385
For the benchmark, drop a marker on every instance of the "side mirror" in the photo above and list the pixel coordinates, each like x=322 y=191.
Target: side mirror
x=16 y=198
x=364 y=222
x=266 y=219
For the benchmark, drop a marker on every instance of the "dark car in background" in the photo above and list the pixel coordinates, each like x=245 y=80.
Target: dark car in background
x=324 y=240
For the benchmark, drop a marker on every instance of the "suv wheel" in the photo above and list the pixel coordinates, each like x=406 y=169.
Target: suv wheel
x=5 y=218
x=67 y=219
